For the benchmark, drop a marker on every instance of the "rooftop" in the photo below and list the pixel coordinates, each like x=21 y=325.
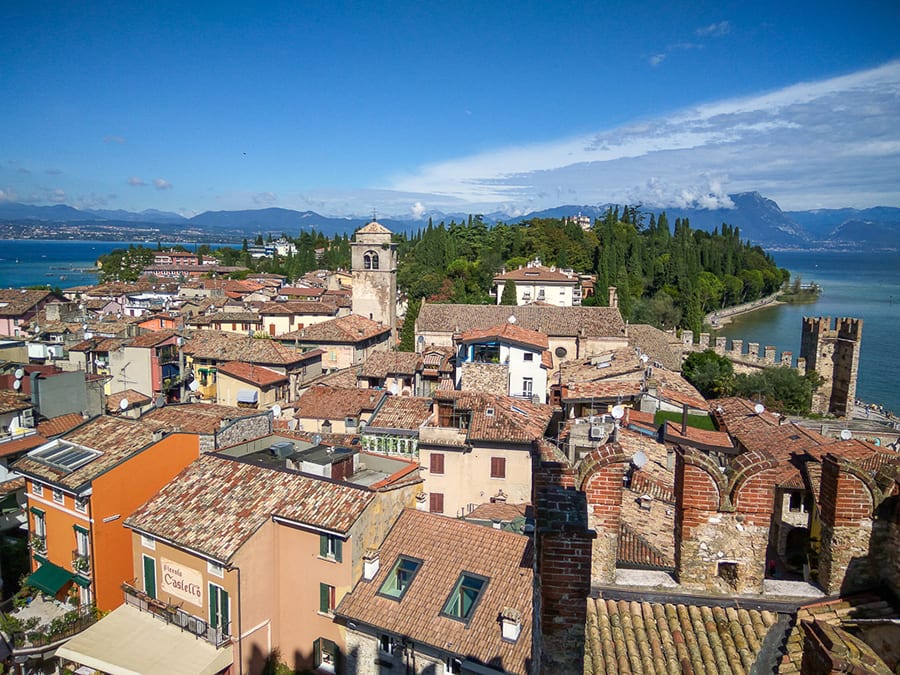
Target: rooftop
x=336 y=402
x=243 y=496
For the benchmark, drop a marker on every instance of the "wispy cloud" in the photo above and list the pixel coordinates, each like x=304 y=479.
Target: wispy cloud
x=58 y=196
x=114 y=139
x=418 y=210
x=720 y=28
x=162 y=184
x=267 y=198
x=784 y=143
x=135 y=181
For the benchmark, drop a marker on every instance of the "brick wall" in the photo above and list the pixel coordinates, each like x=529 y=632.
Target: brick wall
x=846 y=509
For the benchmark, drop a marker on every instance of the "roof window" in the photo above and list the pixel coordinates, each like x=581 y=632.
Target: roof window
x=64 y=455
x=465 y=596
x=400 y=577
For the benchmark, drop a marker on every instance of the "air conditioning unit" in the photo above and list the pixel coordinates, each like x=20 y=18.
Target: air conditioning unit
x=596 y=433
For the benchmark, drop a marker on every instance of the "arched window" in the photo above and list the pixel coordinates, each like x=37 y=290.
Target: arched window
x=370 y=260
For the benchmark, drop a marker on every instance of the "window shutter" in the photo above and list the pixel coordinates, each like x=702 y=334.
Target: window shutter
x=337 y=549
x=213 y=607
x=317 y=652
x=323 y=598
x=150 y=577
x=437 y=462
x=224 y=611
x=498 y=467
x=323 y=545
x=436 y=504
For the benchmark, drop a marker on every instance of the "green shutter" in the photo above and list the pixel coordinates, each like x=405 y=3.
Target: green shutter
x=323 y=598
x=323 y=545
x=79 y=528
x=224 y=610
x=337 y=549
x=213 y=607
x=36 y=511
x=150 y=576
x=317 y=653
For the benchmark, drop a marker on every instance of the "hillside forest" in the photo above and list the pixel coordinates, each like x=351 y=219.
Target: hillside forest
x=667 y=276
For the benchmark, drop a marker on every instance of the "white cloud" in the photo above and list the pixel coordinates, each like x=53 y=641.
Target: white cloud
x=656 y=59
x=418 y=210
x=267 y=198
x=134 y=181
x=783 y=143
x=720 y=28
x=162 y=184
x=114 y=139
x=58 y=196
x=7 y=195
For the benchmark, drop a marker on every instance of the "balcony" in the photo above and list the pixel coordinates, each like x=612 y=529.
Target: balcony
x=39 y=544
x=174 y=615
x=81 y=563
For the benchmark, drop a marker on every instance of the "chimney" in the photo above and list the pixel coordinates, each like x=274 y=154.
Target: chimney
x=510 y=624
x=371 y=564
x=684 y=415
x=421 y=504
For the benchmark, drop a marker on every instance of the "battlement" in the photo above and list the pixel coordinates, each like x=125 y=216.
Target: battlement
x=831 y=349
x=822 y=327
x=753 y=357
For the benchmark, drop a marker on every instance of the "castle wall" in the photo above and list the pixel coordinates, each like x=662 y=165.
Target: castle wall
x=833 y=353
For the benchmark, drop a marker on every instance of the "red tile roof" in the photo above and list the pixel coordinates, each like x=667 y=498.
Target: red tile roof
x=327 y=403
x=506 y=332
x=243 y=496
x=247 y=372
x=17 y=444
x=447 y=548
x=345 y=329
x=56 y=426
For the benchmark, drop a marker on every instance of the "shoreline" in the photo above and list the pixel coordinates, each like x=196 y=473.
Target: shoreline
x=721 y=317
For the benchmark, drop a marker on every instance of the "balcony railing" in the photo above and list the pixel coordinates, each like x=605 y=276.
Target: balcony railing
x=39 y=543
x=174 y=615
x=81 y=562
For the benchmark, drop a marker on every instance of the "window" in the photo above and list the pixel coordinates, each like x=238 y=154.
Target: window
x=326 y=599
x=527 y=386
x=437 y=463
x=58 y=496
x=330 y=547
x=386 y=644
x=81 y=504
x=150 y=576
x=452 y=666
x=498 y=467
x=436 y=502
x=219 y=609
x=400 y=577
x=325 y=655
x=37 y=489
x=465 y=596
x=796 y=501
x=528 y=356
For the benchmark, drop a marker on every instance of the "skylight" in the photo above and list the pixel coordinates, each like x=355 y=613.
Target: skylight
x=465 y=596
x=400 y=577
x=64 y=455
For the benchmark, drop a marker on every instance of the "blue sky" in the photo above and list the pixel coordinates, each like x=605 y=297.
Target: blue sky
x=408 y=107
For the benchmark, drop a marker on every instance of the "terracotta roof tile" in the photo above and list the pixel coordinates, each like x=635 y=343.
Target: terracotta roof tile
x=660 y=346
x=550 y=320
x=506 y=332
x=18 y=444
x=345 y=329
x=56 y=426
x=336 y=402
x=512 y=420
x=12 y=401
x=16 y=302
x=537 y=273
x=382 y=364
x=646 y=638
x=243 y=496
x=132 y=396
x=222 y=347
x=198 y=418
x=401 y=412
x=247 y=372
x=447 y=548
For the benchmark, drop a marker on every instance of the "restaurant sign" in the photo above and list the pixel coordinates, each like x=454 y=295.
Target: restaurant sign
x=182 y=582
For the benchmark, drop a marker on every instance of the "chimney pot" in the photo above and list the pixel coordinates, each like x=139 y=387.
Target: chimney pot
x=371 y=564
x=511 y=623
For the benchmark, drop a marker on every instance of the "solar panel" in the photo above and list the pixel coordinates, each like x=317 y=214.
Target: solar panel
x=63 y=455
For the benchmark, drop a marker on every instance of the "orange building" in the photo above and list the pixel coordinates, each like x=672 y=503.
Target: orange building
x=80 y=489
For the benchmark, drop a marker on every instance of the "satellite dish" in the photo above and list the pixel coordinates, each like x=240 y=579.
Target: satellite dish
x=640 y=459
x=194 y=385
x=644 y=358
x=276 y=410
x=17 y=385
x=292 y=425
x=317 y=439
x=159 y=402
x=759 y=408
x=846 y=435
x=20 y=373
x=618 y=412
x=123 y=404
x=394 y=389
x=512 y=318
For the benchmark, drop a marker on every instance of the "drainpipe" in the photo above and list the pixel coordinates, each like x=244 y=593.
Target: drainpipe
x=240 y=630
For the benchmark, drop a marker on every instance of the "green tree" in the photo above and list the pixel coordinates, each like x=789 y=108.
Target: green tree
x=408 y=332
x=509 y=293
x=711 y=374
x=782 y=389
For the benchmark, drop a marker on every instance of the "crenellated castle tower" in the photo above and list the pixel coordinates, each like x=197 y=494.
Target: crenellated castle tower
x=834 y=354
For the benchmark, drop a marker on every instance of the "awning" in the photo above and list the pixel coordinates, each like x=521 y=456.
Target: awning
x=128 y=641
x=247 y=396
x=49 y=578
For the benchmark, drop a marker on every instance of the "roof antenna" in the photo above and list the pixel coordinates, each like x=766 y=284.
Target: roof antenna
x=374 y=217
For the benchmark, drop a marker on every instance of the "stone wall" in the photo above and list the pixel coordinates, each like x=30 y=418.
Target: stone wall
x=490 y=378
x=238 y=431
x=833 y=353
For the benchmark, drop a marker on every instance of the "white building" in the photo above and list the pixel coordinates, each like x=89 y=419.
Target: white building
x=536 y=283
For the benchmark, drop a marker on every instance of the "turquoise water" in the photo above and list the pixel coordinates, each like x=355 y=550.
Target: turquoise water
x=862 y=285
x=33 y=262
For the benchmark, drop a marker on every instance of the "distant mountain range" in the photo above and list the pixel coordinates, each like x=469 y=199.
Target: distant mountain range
x=760 y=220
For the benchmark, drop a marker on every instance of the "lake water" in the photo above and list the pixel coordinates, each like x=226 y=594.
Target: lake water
x=33 y=262
x=861 y=285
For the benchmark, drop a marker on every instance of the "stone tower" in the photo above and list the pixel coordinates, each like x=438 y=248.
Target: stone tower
x=374 y=267
x=834 y=354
